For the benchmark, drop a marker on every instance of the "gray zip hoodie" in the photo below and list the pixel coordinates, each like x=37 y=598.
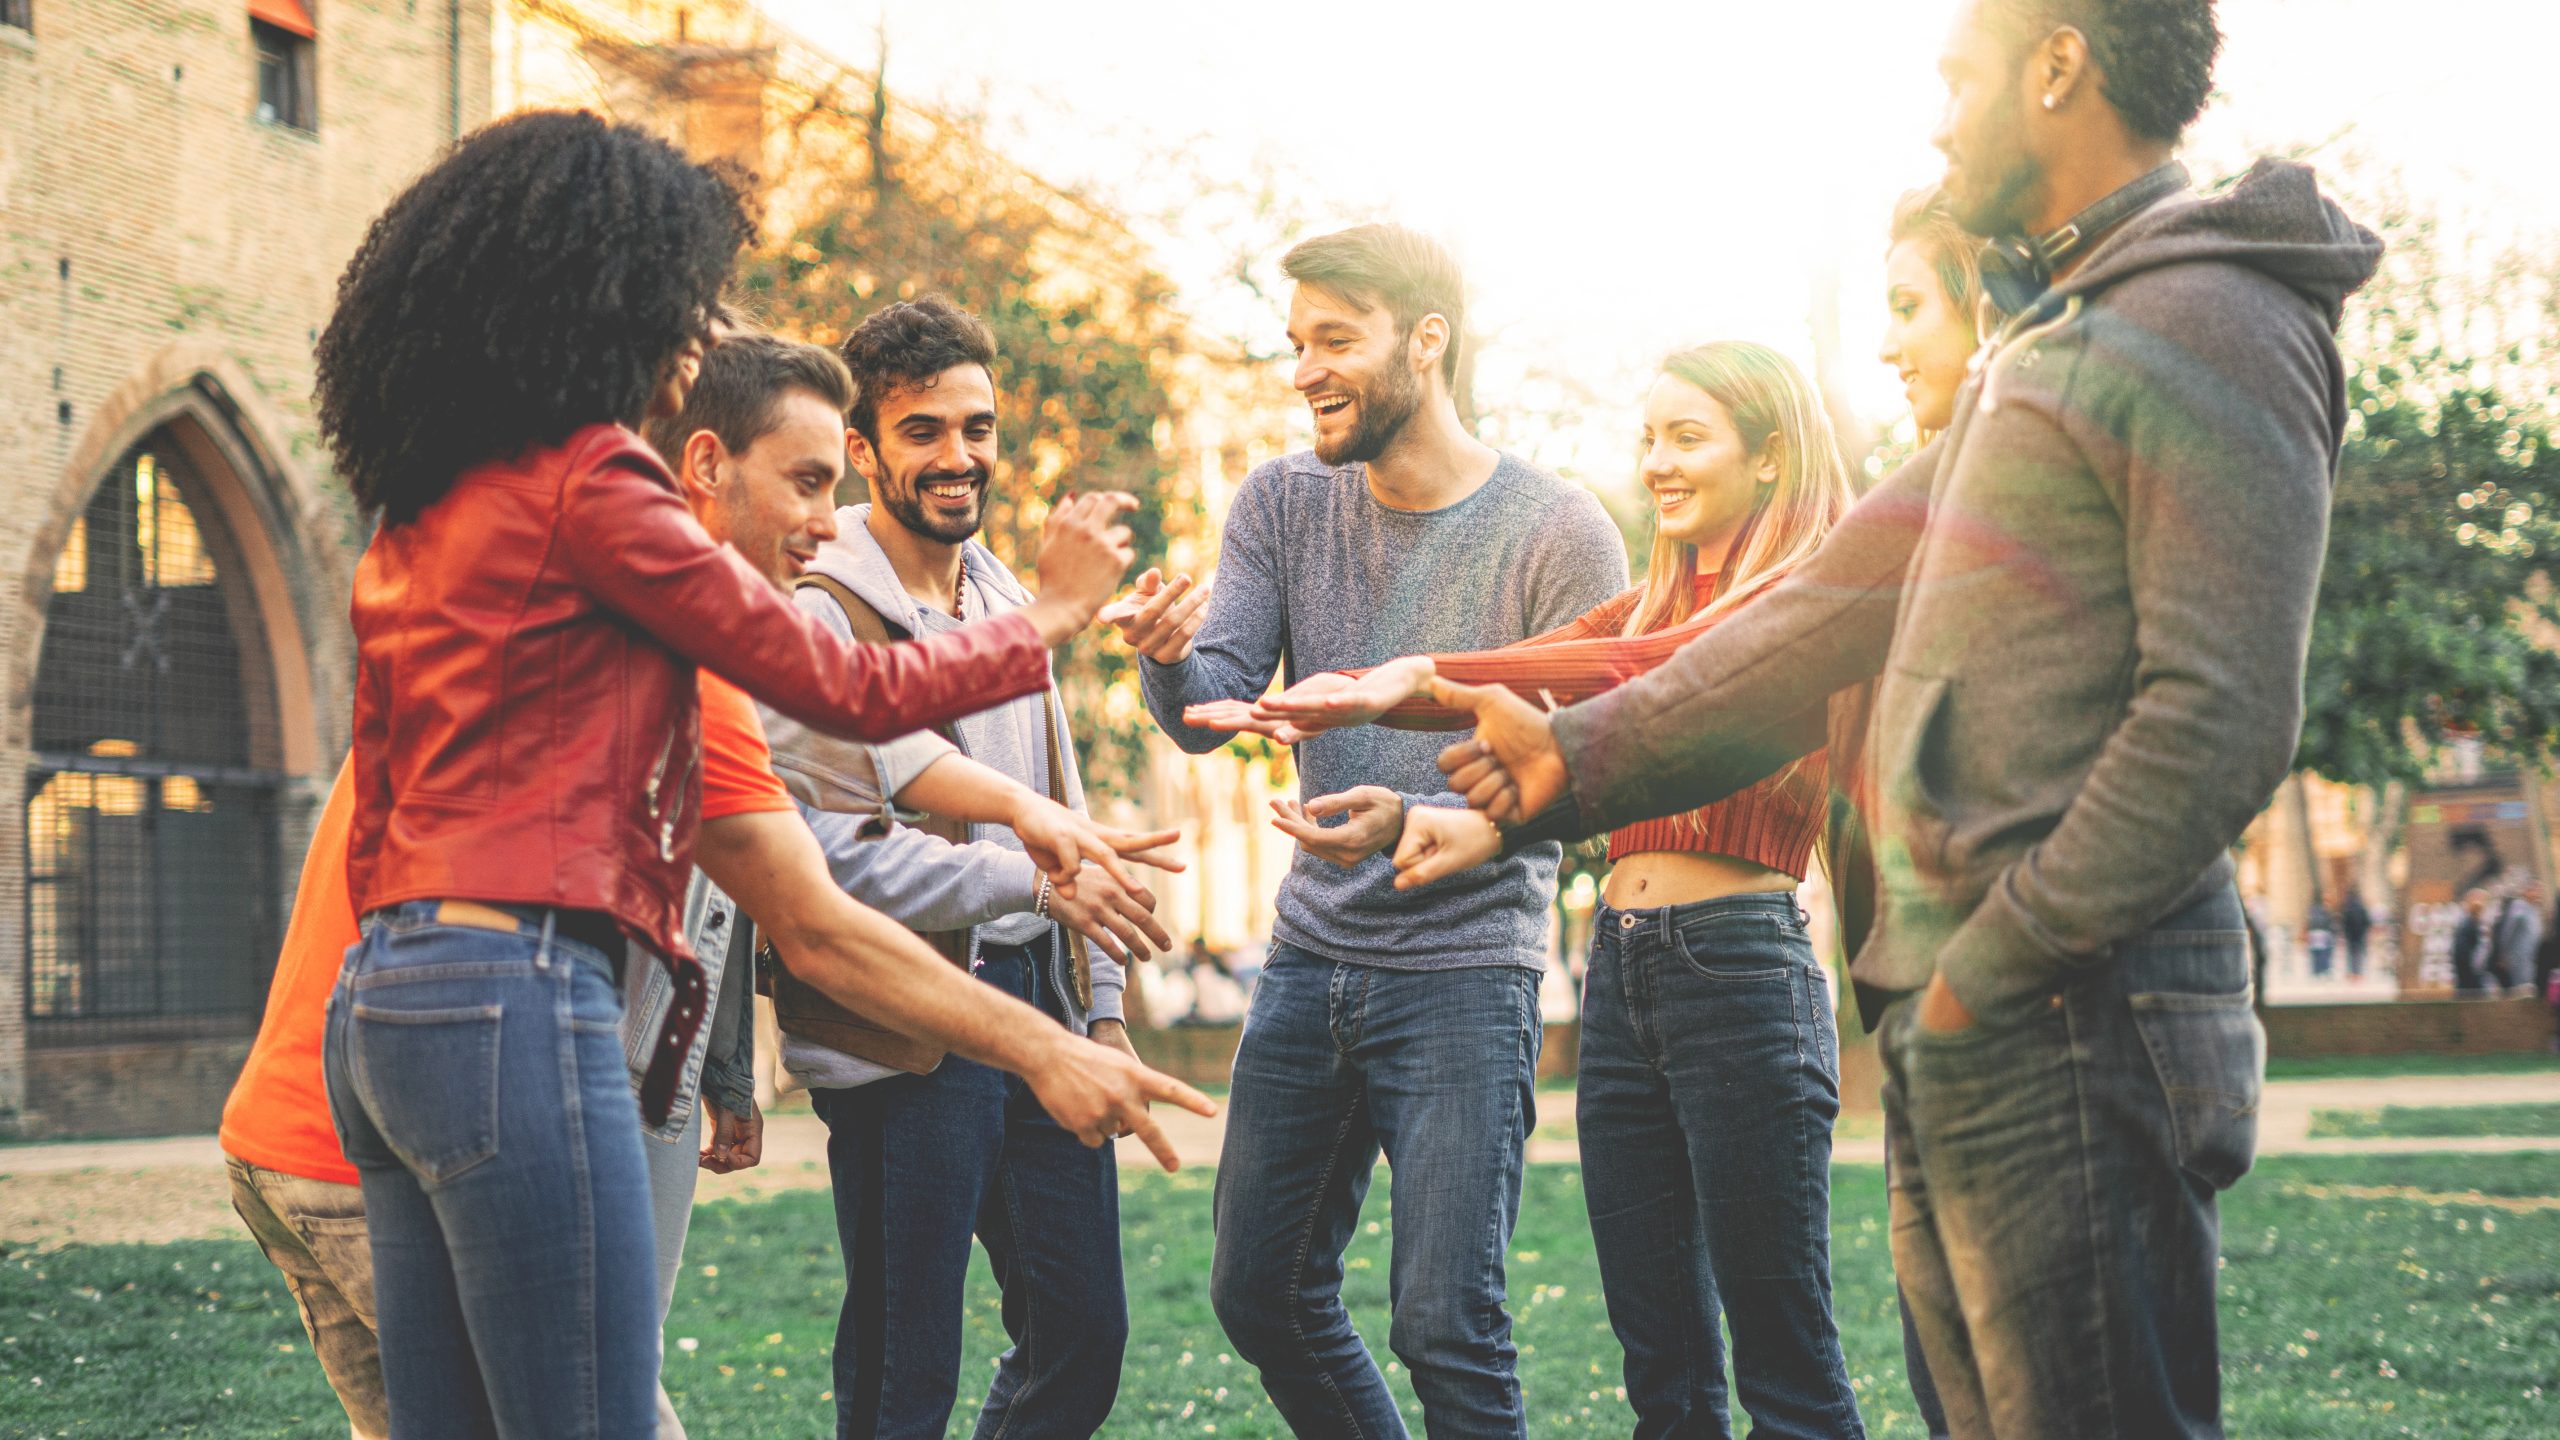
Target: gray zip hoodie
x=845 y=791
x=2088 y=603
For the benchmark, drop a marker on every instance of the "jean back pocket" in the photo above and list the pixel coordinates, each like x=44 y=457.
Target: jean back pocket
x=429 y=1079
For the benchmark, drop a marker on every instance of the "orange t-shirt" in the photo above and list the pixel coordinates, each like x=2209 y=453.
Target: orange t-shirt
x=278 y=1113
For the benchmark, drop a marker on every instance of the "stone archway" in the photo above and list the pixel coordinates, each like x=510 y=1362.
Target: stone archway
x=177 y=694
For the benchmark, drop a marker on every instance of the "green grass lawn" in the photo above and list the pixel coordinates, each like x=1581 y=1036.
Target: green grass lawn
x=2438 y=1121
x=2359 y=1299
x=2371 y=1067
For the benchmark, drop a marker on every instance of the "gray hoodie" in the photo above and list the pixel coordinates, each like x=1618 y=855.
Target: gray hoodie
x=2089 y=605
x=845 y=789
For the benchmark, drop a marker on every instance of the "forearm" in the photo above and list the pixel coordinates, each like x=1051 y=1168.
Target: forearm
x=1547 y=672
x=771 y=864
x=921 y=880
x=637 y=551
x=960 y=788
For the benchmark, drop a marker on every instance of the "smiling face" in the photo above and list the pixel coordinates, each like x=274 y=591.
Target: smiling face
x=1994 y=185
x=1704 y=475
x=774 y=502
x=1358 y=373
x=1928 y=340
x=935 y=452
x=781 y=504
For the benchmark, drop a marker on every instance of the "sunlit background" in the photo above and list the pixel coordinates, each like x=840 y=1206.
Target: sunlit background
x=1621 y=177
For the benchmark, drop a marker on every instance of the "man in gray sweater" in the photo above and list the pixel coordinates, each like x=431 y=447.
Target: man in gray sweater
x=2088 y=606
x=1385 y=1021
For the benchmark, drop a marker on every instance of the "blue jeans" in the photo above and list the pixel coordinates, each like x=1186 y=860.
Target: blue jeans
x=1710 y=1081
x=477 y=1081
x=919 y=1162
x=2054 y=1180
x=1338 y=1062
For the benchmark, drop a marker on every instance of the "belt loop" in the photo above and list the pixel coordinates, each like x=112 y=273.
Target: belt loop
x=550 y=925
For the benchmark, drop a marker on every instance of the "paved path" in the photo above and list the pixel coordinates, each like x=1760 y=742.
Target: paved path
x=112 y=1191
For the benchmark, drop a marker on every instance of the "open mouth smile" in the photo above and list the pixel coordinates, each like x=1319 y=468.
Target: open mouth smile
x=1328 y=405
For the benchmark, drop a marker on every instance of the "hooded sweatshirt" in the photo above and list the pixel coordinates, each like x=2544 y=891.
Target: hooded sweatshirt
x=2088 y=606
x=846 y=792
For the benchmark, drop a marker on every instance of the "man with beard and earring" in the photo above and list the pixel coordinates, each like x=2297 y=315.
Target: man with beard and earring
x=925 y=1149
x=1402 y=1023
x=2089 y=604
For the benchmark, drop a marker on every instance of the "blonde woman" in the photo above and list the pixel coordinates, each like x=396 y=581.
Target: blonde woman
x=1710 y=1065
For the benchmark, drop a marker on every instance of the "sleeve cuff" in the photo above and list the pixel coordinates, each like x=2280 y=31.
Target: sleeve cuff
x=2001 y=959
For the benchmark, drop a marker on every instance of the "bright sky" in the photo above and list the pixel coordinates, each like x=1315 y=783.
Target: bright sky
x=1622 y=177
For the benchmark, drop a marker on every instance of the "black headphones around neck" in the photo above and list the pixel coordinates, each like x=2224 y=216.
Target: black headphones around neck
x=2017 y=271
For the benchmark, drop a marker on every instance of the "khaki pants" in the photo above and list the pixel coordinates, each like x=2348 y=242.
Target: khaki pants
x=313 y=1231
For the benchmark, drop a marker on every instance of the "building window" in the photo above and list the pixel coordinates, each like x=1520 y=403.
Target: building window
x=18 y=14
x=151 y=831
x=282 y=33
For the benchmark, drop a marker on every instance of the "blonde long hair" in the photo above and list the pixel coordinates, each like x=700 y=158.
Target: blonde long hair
x=1771 y=404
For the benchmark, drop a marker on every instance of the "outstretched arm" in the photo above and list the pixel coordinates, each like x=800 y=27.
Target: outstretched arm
x=770 y=864
x=635 y=548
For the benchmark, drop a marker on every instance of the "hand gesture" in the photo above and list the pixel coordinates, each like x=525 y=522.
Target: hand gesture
x=1159 y=618
x=1097 y=1091
x=1335 y=701
x=1083 y=554
x=1438 y=843
x=1374 y=817
x=1512 y=769
x=1061 y=841
x=736 y=1142
x=1111 y=912
x=1237 y=717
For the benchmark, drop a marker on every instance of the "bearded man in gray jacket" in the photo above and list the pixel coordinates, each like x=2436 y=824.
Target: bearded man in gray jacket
x=924 y=1149
x=2087 y=607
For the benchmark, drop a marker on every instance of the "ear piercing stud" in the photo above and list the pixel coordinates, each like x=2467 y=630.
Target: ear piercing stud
x=2052 y=104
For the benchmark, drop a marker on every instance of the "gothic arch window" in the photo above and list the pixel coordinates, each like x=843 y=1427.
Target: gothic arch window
x=152 y=802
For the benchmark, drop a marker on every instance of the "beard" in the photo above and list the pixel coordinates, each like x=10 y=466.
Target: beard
x=908 y=509
x=1383 y=407
x=2000 y=180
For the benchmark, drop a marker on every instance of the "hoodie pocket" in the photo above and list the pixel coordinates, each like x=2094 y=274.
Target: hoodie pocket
x=1911 y=824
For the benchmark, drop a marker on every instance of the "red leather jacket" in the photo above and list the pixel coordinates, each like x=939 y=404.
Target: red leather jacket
x=525 y=730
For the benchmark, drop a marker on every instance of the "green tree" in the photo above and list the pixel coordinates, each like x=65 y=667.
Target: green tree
x=1086 y=334
x=2437 y=618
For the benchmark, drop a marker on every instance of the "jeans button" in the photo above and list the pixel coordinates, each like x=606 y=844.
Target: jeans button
x=1626 y=922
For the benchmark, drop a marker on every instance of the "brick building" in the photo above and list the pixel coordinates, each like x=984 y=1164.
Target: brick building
x=180 y=183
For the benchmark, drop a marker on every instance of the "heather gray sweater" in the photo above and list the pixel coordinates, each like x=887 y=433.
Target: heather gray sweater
x=2088 y=604
x=1315 y=575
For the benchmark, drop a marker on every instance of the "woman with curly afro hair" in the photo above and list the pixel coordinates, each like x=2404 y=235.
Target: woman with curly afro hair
x=528 y=618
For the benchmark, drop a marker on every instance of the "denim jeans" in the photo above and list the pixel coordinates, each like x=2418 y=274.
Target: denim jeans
x=1710 y=1080
x=1437 y=1069
x=919 y=1162
x=2054 y=1183
x=477 y=1081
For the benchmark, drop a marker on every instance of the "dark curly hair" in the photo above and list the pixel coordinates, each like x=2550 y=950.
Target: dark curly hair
x=910 y=343
x=537 y=280
x=2155 y=57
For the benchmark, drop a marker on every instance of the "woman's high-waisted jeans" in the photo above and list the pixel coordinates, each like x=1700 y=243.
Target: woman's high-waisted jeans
x=478 y=1083
x=1710 y=1080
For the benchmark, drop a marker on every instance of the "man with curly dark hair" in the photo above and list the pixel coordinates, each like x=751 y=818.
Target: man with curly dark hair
x=2087 y=605
x=527 y=752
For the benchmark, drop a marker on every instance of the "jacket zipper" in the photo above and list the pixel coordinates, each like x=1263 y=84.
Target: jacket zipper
x=674 y=807
x=1989 y=402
